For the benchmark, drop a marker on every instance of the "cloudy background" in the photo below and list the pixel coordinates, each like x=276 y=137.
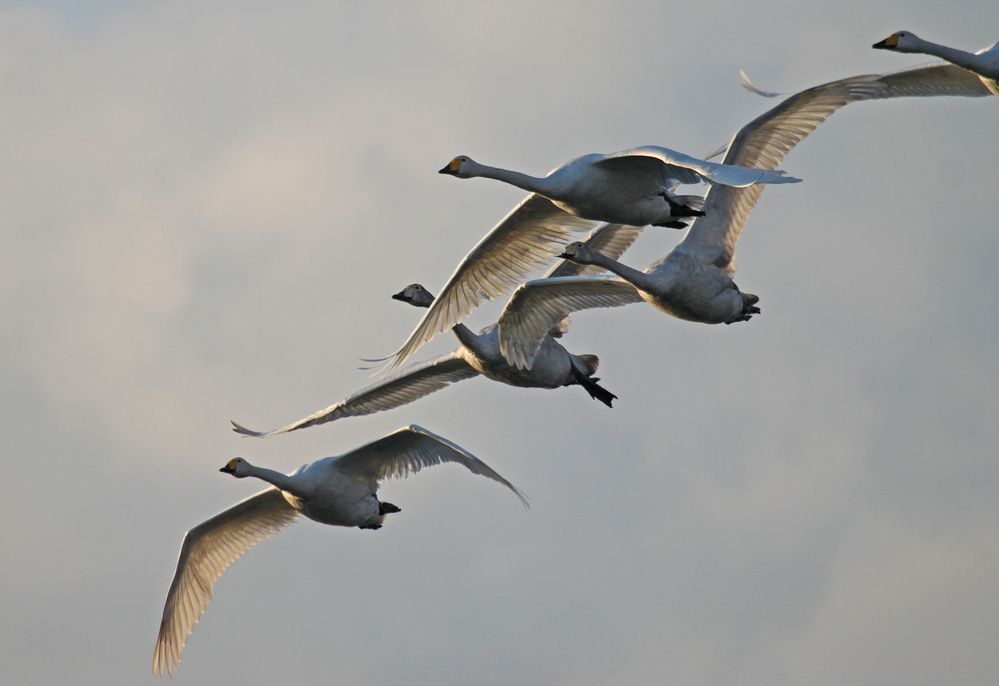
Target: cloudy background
x=206 y=209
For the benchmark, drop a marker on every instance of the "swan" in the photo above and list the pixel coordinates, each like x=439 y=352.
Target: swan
x=535 y=231
x=341 y=491
x=628 y=187
x=984 y=63
x=478 y=354
x=694 y=281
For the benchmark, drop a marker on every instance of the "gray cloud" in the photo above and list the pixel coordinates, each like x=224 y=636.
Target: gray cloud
x=206 y=209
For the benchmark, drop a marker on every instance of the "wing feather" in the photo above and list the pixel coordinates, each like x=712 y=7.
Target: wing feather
x=765 y=141
x=531 y=235
x=402 y=388
x=538 y=305
x=207 y=551
x=686 y=169
x=410 y=449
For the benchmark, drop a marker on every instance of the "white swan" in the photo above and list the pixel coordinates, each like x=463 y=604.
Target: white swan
x=694 y=282
x=984 y=63
x=335 y=490
x=535 y=231
x=629 y=187
x=479 y=354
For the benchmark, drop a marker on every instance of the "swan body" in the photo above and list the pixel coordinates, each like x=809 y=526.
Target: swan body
x=550 y=365
x=679 y=285
x=694 y=281
x=984 y=63
x=340 y=491
x=632 y=187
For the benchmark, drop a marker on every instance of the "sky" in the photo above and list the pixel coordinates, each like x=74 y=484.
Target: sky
x=207 y=207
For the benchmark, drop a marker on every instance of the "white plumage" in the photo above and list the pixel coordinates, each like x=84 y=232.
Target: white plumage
x=340 y=491
x=694 y=281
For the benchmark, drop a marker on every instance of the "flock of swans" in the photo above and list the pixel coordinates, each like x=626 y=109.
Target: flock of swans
x=610 y=196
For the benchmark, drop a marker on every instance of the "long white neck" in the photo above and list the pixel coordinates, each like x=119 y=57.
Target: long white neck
x=640 y=280
x=541 y=186
x=282 y=481
x=468 y=338
x=961 y=58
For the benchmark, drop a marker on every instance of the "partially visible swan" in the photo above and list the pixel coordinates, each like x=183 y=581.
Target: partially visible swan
x=984 y=63
x=479 y=354
x=694 y=281
x=629 y=187
x=535 y=231
x=341 y=491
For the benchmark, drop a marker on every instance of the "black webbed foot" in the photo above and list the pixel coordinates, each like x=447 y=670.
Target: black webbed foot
x=387 y=508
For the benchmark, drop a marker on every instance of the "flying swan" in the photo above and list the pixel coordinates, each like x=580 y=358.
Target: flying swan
x=694 y=282
x=341 y=491
x=478 y=354
x=632 y=187
x=536 y=230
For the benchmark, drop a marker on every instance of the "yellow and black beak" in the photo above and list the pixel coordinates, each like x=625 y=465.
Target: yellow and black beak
x=452 y=167
x=230 y=467
x=888 y=43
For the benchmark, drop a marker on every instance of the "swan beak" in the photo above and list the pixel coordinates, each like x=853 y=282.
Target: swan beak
x=446 y=170
x=401 y=295
x=227 y=470
x=565 y=256
x=888 y=43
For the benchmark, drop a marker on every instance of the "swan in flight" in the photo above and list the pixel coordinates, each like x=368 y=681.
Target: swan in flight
x=479 y=354
x=534 y=233
x=694 y=281
x=984 y=63
x=632 y=187
x=341 y=491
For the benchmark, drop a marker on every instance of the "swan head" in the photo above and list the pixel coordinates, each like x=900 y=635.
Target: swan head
x=900 y=41
x=573 y=250
x=415 y=295
x=460 y=166
x=237 y=466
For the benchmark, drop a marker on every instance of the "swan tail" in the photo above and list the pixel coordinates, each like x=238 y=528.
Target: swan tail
x=590 y=362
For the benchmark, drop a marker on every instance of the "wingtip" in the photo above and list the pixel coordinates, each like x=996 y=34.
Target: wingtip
x=243 y=431
x=746 y=83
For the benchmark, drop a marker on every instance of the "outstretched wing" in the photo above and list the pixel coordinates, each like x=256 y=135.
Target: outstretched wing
x=936 y=79
x=399 y=389
x=686 y=169
x=537 y=305
x=207 y=551
x=410 y=449
x=530 y=236
x=765 y=141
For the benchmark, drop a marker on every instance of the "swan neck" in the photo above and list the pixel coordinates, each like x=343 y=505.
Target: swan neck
x=274 y=478
x=468 y=338
x=953 y=55
x=534 y=184
x=633 y=276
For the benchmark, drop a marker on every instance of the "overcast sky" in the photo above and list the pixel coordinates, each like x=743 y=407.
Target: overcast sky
x=206 y=208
